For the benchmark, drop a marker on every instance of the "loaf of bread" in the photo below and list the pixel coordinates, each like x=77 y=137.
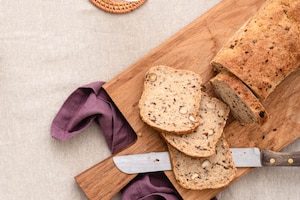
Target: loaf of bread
x=244 y=105
x=264 y=51
x=171 y=99
x=213 y=114
x=203 y=173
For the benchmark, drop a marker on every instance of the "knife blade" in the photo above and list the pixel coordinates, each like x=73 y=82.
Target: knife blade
x=242 y=157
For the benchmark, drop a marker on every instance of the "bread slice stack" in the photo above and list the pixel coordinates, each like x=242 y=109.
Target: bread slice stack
x=169 y=99
x=202 y=142
x=202 y=159
x=260 y=55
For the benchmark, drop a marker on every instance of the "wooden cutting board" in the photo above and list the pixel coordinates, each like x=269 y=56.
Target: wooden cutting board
x=193 y=48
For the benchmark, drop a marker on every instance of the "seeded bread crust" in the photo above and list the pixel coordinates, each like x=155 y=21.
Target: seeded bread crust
x=266 y=49
x=171 y=99
x=203 y=173
x=213 y=114
x=244 y=105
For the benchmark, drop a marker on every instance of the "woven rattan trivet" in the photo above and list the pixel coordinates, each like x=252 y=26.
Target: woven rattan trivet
x=118 y=6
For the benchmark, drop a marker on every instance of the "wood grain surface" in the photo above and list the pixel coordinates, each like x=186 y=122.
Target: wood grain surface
x=193 y=48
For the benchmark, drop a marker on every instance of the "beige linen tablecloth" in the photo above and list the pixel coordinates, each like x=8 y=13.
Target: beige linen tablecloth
x=47 y=50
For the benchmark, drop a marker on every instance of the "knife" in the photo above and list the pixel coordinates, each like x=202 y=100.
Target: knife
x=242 y=157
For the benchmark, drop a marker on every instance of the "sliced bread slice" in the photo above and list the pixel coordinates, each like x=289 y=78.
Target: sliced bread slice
x=244 y=105
x=203 y=173
x=170 y=100
x=213 y=114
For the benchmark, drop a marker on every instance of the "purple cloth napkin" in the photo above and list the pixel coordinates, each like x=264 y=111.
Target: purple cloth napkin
x=91 y=103
x=87 y=104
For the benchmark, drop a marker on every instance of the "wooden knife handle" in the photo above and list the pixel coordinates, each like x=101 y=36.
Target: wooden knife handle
x=271 y=158
x=103 y=180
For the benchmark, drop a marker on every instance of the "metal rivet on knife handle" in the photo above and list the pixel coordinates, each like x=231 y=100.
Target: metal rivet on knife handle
x=290 y=161
x=272 y=160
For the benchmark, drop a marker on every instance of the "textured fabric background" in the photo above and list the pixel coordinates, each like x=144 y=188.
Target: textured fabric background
x=47 y=50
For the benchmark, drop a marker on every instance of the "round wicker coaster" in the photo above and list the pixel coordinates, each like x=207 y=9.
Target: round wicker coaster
x=118 y=6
